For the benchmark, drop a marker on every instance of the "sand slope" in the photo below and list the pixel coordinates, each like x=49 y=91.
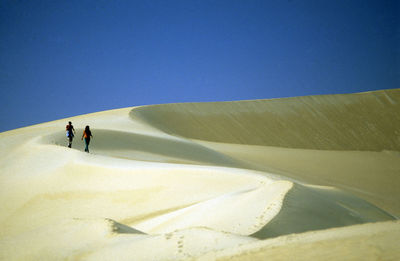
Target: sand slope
x=364 y=121
x=246 y=180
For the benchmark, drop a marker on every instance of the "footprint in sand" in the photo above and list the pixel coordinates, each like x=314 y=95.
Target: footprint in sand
x=180 y=244
x=168 y=236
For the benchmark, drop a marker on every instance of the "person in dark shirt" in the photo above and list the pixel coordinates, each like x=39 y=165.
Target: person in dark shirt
x=70 y=133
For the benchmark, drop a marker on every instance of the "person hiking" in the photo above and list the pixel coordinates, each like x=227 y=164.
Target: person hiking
x=70 y=133
x=87 y=134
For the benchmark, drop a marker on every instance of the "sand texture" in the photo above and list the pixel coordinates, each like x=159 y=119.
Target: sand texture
x=304 y=178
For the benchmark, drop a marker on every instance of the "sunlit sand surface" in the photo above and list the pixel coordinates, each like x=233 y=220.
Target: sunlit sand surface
x=306 y=178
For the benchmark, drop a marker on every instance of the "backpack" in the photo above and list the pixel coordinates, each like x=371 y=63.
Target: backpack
x=68 y=128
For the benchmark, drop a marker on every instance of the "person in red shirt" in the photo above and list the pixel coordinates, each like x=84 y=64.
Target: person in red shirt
x=87 y=134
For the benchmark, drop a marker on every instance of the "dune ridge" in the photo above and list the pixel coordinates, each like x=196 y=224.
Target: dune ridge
x=363 y=121
x=243 y=180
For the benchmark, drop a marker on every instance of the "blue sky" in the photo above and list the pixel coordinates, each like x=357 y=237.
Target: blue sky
x=64 y=58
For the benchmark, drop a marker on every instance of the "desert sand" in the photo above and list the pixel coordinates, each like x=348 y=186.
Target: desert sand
x=303 y=178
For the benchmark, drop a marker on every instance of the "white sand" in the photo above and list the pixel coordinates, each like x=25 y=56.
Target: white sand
x=229 y=182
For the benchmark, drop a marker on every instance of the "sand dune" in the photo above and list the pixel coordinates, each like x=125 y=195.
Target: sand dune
x=364 y=121
x=306 y=177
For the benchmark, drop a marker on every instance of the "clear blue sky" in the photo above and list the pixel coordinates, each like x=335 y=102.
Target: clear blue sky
x=64 y=58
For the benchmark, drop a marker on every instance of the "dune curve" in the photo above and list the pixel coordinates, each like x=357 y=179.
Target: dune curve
x=206 y=180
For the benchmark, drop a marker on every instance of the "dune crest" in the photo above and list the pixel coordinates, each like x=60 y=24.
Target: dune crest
x=364 y=121
x=215 y=181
